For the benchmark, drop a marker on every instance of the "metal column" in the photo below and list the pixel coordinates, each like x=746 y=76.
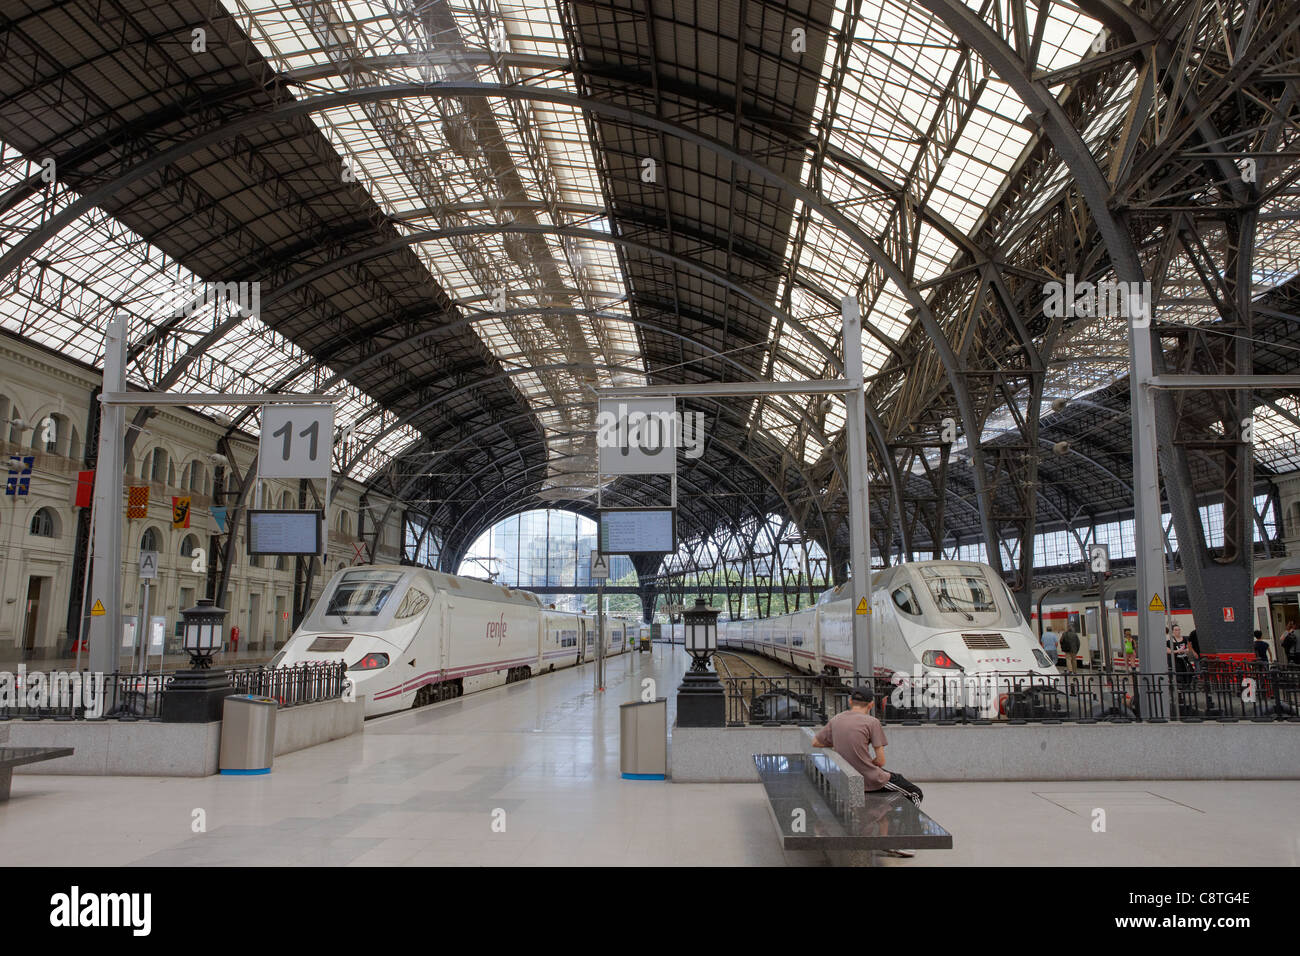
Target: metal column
x=600 y=639
x=855 y=430
x=1148 y=528
x=106 y=561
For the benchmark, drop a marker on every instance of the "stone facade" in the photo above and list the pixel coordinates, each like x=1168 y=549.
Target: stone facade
x=45 y=412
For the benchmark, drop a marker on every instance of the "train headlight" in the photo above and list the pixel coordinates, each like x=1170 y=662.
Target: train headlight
x=940 y=659
x=371 y=662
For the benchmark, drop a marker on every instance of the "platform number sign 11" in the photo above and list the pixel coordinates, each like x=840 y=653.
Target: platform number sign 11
x=296 y=441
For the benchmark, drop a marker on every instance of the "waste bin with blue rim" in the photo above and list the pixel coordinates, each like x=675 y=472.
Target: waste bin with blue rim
x=643 y=739
x=248 y=734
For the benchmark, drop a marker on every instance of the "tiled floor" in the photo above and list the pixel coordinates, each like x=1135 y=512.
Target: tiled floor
x=540 y=761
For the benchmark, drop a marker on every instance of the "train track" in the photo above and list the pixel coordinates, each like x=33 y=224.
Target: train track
x=778 y=694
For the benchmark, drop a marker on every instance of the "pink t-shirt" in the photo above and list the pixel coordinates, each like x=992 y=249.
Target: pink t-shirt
x=849 y=735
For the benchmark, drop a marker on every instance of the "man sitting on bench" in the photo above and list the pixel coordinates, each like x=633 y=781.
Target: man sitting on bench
x=854 y=734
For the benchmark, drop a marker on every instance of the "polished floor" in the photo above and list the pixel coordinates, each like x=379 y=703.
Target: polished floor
x=528 y=774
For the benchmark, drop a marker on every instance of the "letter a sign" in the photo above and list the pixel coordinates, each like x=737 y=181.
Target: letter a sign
x=599 y=566
x=148 y=565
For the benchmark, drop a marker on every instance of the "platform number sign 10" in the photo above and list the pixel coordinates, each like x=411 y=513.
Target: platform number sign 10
x=1099 y=558
x=296 y=441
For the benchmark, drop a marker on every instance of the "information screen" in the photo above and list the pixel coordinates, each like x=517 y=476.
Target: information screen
x=636 y=531
x=284 y=532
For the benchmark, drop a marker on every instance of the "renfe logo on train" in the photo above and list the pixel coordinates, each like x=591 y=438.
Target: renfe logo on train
x=497 y=629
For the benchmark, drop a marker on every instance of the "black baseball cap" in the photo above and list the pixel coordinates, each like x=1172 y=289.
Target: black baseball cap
x=863 y=695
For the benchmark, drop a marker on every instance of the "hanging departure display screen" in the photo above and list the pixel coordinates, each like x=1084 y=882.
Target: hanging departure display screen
x=637 y=531
x=284 y=532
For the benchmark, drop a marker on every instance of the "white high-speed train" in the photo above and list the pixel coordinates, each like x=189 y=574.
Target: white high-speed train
x=938 y=618
x=410 y=636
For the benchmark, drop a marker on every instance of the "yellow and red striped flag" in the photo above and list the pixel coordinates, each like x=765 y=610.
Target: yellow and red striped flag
x=137 y=501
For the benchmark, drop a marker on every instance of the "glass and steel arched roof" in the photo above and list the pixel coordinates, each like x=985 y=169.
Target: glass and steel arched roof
x=464 y=269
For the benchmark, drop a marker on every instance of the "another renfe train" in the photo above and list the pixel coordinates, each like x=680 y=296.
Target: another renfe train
x=411 y=636
x=943 y=618
x=1276 y=607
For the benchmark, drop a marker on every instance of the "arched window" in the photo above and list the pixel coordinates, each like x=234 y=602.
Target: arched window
x=188 y=544
x=74 y=444
x=195 y=482
x=149 y=541
x=286 y=500
x=158 y=466
x=50 y=434
x=279 y=562
x=45 y=524
x=345 y=522
x=171 y=475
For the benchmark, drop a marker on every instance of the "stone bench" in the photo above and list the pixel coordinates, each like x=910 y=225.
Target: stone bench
x=818 y=802
x=11 y=757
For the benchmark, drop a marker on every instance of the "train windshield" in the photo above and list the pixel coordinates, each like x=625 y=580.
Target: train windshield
x=363 y=593
x=960 y=591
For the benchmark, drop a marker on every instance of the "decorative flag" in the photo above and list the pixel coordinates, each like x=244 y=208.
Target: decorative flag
x=137 y=501
x=180 y=512
x=219 y=516
x=85 y=488
x=20 y=475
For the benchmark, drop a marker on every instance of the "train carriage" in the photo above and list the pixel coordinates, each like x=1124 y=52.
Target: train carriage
x=410 y=636
x=1099 y=614
x=928 y=617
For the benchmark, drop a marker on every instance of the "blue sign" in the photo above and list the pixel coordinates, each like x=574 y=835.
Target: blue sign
x=20 y=475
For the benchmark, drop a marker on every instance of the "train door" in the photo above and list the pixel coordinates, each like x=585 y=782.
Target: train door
x=443 y=650
x=1089 y=636
x=1285 y=611
x=582 y=639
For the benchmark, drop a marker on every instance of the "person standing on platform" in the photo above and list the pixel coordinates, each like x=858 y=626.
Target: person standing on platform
x=1070 y=647
x=1130 y=648
x=1289 y=641
x=1184 y=656
x=854 y=734
x=1050 y=645
x=1261 y=647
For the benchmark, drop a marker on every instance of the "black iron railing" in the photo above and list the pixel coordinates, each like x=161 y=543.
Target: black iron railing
x=83 y=695
x=300 y=684
x=1215 y=691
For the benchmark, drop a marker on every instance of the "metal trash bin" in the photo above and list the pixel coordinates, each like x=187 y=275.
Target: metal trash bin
x=248 y=734
x=643 y=739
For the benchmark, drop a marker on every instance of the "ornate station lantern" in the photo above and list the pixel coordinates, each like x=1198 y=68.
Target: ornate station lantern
x=202 y=631
x=701 y=701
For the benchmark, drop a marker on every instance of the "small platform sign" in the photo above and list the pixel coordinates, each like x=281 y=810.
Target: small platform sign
x=863 y=607
x=599 y=566
x=148 y=565
x=98 y=609
x=1156 y=604
x=1229 y=615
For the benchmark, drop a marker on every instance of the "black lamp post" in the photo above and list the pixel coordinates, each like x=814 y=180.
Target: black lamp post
x=700 y=698
x=202 y=629
x=196 y=695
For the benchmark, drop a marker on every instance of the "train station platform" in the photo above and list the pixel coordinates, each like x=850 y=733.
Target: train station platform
x=539 y=759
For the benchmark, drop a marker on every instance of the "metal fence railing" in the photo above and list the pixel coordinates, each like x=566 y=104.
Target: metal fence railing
x=300 y=684
x=1215 y=691
x=83 y=695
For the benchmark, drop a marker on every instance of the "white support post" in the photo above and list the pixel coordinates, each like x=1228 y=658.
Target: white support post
x=855 y=467
x=106 y=559
x=1148 y=529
